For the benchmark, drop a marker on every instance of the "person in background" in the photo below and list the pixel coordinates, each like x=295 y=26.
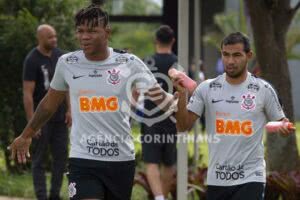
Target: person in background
x=160 y=155
x=38 y=71
x=219 y=67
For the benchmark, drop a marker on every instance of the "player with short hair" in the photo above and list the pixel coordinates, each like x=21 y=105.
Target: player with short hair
x=237 y=106
x=100 y=81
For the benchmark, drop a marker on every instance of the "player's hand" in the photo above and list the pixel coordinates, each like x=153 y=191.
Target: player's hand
x=68 y=119
x=177 y=83
x=20 y=149
x=285 y=131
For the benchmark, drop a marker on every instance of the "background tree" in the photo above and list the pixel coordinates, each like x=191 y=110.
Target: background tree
x=237 y=21
x=13 y=47
x=18 y=22
x=132 y=7
x=226 y=23
x=270 y=20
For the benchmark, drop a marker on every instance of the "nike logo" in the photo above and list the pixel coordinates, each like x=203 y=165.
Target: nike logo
x=76 y=77
x=216 y=101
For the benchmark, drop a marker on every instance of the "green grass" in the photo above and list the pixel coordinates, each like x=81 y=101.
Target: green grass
x=17 y=185
x=21 y=185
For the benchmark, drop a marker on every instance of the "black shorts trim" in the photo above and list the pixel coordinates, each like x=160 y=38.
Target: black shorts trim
x=100 y=179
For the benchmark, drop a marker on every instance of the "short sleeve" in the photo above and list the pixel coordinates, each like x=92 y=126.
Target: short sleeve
x=143 y=76
x=196 y=103
x=59 y=82
x=273 y=107
x=29 y=70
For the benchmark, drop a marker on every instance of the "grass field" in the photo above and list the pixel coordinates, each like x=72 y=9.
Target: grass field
x=21 y=185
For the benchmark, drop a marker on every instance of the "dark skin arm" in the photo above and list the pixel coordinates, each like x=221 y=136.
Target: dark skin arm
x=46 y=108
x=68 y=117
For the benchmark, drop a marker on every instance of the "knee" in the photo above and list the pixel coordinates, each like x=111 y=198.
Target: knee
x=152 y=168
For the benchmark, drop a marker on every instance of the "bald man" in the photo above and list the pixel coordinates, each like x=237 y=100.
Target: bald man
x=39 y=67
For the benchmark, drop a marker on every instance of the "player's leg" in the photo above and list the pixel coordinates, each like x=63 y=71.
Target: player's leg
x=168 y=178
x=151 y=152
x=169 y=154
x=154 y=178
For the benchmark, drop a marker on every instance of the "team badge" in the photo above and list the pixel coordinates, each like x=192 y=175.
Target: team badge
x=248 y=102
x=72 y=189
x=114 y=77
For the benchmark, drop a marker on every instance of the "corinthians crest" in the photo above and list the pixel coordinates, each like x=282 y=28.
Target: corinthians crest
x=248 y=102
x=72 y=189
x=113 y=77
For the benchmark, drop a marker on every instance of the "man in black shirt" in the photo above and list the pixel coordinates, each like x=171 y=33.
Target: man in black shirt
x=39 y=67
x=160 y=150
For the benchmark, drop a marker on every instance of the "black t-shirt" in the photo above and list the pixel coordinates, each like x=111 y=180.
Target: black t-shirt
x=40 y=69
x=159 y=63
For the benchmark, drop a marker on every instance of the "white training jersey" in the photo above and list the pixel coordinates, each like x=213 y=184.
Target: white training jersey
x=235 y=119
x=100 y=95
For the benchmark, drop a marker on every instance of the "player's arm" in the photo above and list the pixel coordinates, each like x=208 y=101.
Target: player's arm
x=184 y=118
x=28 y=89
x=68 y=116
x=45 y=109
x=274 y=111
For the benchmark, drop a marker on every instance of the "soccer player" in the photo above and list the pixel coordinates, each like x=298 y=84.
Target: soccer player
x=99 y=80
x=237 y=106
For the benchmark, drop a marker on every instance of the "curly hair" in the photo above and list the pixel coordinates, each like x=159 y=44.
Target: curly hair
x=93 y=15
